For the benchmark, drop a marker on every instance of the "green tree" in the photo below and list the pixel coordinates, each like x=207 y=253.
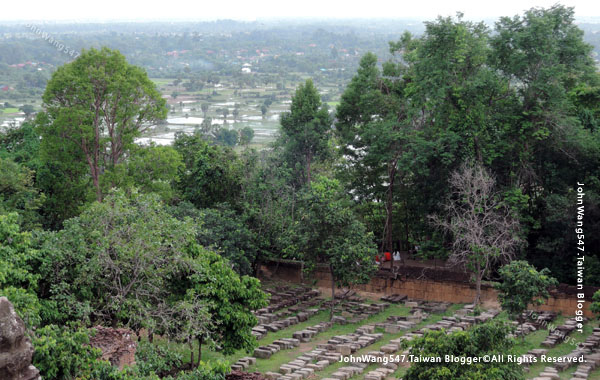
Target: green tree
x=491 y=338
x=543 y=53
x=269 y=202
x=460 y=98
x=62 y=180
x=115 y=262
x=19 y=280
x=230 y=298
x=448 y=106
x=204 y=108
x=64 y=354
x=212 y=174
x=246 y=135
x=96 y=106
x=227 y=137
x=27 y=109
x=595 y=307
x=521 y=284
x=305 y=130
x=207 y=128
x=222 y=230
x=377 y=137
x=151 y=169
x=326 y=232
x=18 y=194
x=22 y=145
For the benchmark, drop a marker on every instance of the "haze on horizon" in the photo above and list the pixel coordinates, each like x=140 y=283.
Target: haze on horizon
x=187 y=10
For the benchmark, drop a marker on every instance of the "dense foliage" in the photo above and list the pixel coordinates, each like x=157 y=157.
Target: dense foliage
x=326 y=232
x=483 y=132
x=94 y=107
x=518 y=100
x=521 y=284
x=485 y=340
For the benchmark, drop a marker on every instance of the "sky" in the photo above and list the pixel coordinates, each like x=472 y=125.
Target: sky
x=130 y=10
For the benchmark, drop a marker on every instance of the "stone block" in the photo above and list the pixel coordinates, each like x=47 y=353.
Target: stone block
x=344 y=349
x=249 y=359
x=340 y=375
x=262 y=353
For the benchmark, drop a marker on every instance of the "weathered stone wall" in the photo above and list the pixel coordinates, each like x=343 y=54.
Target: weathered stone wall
x=288 y=270
x=431 y=284
x=117 y=345
x=16 y=350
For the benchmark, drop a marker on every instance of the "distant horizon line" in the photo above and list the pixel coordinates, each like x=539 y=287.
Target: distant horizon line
x=256 y=20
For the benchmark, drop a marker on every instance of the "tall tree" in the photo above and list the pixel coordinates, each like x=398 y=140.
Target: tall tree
x=459 y=107
x=326 y=232
x=204 y=108
x=373 y=125
x=305 y=130
x=269 y=200
x=454 y=92
x=98 y=104
x=246 y=135
x=551 y=142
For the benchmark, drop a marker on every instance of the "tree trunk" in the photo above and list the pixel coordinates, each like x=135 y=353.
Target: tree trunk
x=478 y=276
x=200 y=341
x=97 y=186
x=402 y=258
x=308 y=161
x=191 y=346
x=94 y=172
x=332 y=292
x=478 y=150
x=389 y=208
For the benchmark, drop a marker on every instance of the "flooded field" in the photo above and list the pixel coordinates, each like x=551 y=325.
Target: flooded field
x=227 y=107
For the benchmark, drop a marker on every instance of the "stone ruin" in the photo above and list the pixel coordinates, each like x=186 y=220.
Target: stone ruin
x=239 y=375
x=16 y=350
x=117 y=345
x=589 y=349
x=299 y=301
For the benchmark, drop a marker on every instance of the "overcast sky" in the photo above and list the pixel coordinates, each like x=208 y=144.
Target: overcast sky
x=83 y=10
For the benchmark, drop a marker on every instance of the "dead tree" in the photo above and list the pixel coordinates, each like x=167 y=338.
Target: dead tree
x=484 y=230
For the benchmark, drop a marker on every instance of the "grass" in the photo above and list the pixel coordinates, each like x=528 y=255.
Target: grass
x=161 y=81
x=10 y=110
x=387 y=337
x=284 y=356
x=531 y=341
x=563 y=348
x=595 y=375
x=281 y=357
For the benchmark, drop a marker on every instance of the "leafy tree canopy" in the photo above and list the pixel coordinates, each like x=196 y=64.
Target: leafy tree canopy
x=521 y=284
x=491 y=338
